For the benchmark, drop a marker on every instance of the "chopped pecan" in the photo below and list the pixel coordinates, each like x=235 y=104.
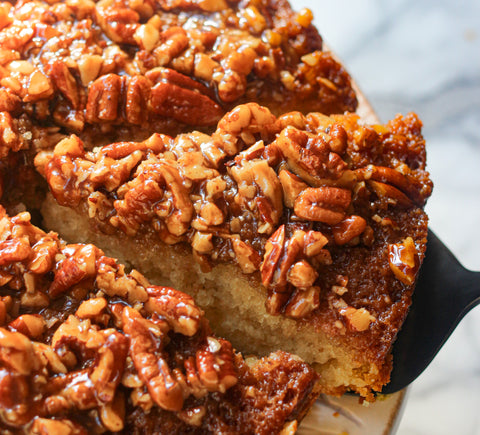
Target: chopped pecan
x=99 y=381
x=145 y=197
x=178 y=308
x=314 y=243
x=117 y=20
x=302 y=275
x=155 y=143
x=10 y=139
x=31 y=325
x=47 y=426
x=292 y=186
x=13 y=250
x=145 y=351
x=112 y=414
x=245 y=119
x=310 y=157
x=43 y=256
x=258 y=173
x=390 y=193
x=215 y=366
x=178 y=96
x=80 y=264
x=246 y=256
x=64 y=81
x=403 y=260
x=104 y=97
x=349 y=228
x=391 y=183
x=303 y=303
x=17 y=352
x=358 y=318
x=91 y=308
x=273 y=252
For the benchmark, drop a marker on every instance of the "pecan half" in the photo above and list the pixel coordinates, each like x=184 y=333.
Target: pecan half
x=323 y=204
x=180 y=97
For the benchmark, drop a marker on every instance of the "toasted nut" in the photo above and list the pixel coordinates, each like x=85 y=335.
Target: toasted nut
x=21 y=66
x=44 y=426
x=303 y=303
x=304 y=17
x=91 y=308
x=17 y=352
x=339 y=138
x=381 y=176
x=247 y=257
x=349 y=228
x=314 y=243
x=392 y=194
x=89 y=67
x=193 y=416
x=197 y=109
x=154 y=371
x=323 y=204
x=360 y=319
x=292 y=186
x=147 y=36
x=31 y=325
x=290 y=428
x=177 y=307
x=273 y=251
x=211 y=214
x=403 y=260
x=112 y=414
x=302 y=275
x=202 y=242
x=14 y=250
x=204 y=66
x=39 y=87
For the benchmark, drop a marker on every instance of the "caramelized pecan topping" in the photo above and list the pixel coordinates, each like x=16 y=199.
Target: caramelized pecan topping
x=279 y=195
x=159 y=66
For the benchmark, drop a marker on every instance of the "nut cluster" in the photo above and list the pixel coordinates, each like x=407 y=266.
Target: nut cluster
x=79 y=336
x=158 y=66
x=277 y=195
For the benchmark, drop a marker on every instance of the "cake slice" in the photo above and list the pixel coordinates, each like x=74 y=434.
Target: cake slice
x=86 y=347
x=301 y=233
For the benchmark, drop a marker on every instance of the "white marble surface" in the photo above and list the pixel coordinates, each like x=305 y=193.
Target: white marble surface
x=424 y=56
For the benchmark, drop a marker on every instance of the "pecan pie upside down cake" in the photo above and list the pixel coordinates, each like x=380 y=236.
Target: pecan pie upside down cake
x=211 y=146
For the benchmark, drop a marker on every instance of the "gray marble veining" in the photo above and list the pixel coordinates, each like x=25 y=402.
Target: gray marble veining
x=424 y=56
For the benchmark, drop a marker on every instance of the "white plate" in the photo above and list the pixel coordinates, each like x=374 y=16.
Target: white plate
x=344 y=415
